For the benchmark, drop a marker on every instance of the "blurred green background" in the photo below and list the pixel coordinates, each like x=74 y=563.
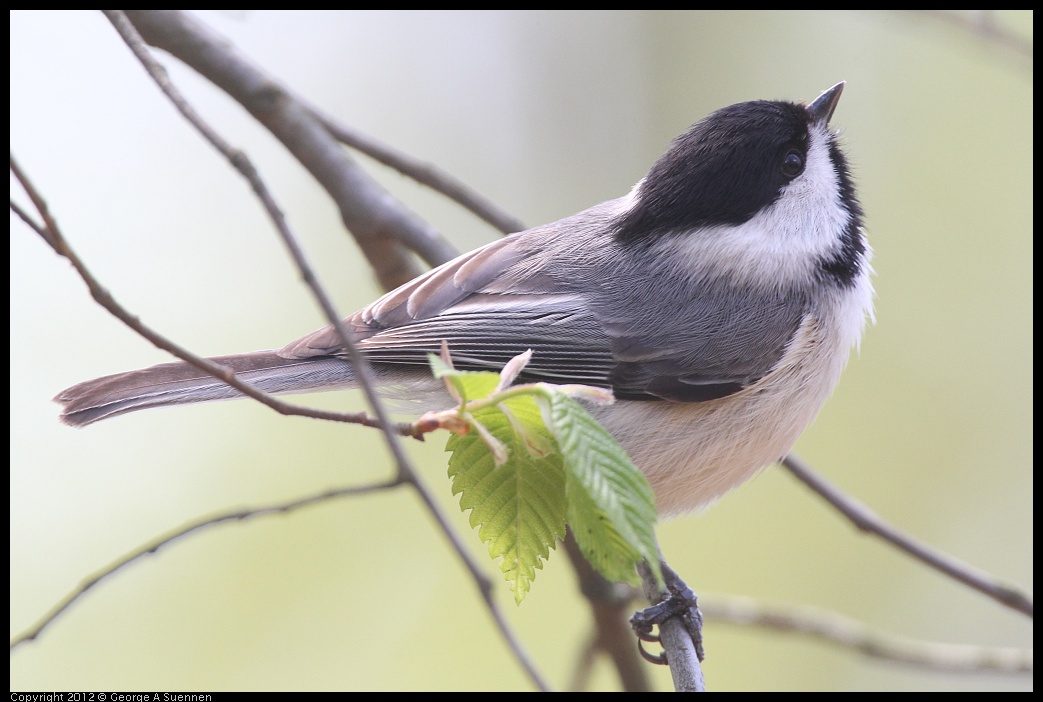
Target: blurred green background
x=547 y=113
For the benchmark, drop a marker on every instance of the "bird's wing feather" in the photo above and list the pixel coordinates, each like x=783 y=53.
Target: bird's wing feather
x=659 y=336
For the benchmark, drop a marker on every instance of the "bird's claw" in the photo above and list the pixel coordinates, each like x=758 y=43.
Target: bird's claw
x=681 y=601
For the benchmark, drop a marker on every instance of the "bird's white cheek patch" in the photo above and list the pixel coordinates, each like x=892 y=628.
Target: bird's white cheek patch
x=780 y=246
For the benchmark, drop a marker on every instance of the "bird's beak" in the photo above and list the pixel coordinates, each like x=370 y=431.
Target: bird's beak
x=821 y=110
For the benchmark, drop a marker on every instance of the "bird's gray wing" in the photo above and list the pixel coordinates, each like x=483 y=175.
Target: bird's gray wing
x=588 y=313
x=686 y=340
x=464 y=303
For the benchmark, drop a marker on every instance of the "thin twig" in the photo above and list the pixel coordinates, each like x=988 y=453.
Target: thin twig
x=844 y=631
x=159 y=542
x=485 y=587
x=611 y=605
x=157 y=23
x=408 y=476
x=242 y=163
x=423 y=172
x=380 y=224
x=868 y=521
x=364 y=374
x=51 y=233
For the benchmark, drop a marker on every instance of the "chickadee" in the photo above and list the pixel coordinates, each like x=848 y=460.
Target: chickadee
x=718 y=300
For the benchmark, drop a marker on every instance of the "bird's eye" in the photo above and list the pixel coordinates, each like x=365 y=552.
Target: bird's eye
x=792 y=164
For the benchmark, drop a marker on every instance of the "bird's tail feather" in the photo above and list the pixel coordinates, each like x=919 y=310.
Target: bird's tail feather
x=180 y=383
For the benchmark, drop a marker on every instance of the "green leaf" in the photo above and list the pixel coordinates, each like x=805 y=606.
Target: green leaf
x=611 y=507
x=469 y=385
x=440 y=368
x=518 y=506
x=535 y=460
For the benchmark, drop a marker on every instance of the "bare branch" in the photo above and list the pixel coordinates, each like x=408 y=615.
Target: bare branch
x=159 y=542
x=52 y=234
x=425 y=173
x=610 y=606
x=866 y=520
x=407 y=475
x=405 y=471
x=242 y=163
x=484 y=585
x=380 y=224
x=844 y=631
